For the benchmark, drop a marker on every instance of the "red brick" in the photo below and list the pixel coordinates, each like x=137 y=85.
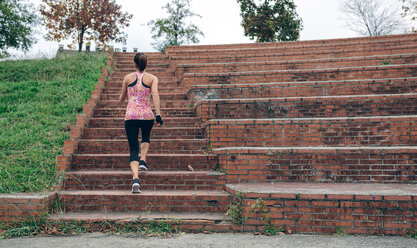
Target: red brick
x=397 y=198
x=397 y=225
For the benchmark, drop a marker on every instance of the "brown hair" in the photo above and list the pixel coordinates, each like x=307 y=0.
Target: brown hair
x=141 y=61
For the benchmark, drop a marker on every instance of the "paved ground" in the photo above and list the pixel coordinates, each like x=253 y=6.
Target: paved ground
x=211 y=240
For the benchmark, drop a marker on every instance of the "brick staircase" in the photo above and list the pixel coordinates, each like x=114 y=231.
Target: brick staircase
x=99 y=182
x=323 y=131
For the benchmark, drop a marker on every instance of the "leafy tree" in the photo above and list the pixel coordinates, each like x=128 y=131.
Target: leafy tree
x=272 y=20
x=79 y=20
x=16 y=21
x=410 y=10
x=368 y=17
x=173 y=30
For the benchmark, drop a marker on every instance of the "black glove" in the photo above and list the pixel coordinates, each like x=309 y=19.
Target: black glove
x=159 y=120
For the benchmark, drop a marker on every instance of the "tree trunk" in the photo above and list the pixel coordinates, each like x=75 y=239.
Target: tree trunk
x=81 y=39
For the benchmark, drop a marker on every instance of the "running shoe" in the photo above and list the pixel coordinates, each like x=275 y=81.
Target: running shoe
x=136 y=186
x=142 y=165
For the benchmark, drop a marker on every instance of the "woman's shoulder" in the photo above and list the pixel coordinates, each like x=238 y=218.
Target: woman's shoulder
x=149 y=75
x=129 y=78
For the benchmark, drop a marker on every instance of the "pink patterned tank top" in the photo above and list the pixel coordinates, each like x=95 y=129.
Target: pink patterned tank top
x=139 y=105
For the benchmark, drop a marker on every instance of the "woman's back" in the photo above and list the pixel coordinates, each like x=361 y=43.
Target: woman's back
x=139 y=94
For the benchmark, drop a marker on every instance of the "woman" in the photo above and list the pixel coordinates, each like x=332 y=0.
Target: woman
x=139 y=86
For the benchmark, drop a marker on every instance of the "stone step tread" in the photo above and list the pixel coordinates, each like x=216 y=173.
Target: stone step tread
x=132 y=216
x=326 y=189
x=146 y=193
x=151 y=173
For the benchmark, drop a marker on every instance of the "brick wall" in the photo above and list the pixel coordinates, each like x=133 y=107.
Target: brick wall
x=295 y=64
x=15 y=207
x=350 y=73
x=294 y=89
x=326 y=213
x=366 y=131
x=302 y=107
x=332 y=165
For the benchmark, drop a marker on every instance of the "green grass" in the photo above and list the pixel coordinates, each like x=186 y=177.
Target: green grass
x=39 y=100
x=42 y=226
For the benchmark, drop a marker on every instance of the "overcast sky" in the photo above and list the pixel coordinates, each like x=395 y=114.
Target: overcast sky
x=220 y=22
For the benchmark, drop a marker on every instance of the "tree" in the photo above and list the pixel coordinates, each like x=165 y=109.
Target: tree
x=16 y=22
x=368 y=17
x=79 y=20
x=409 y=8
x=272 y=20
x=173 y=30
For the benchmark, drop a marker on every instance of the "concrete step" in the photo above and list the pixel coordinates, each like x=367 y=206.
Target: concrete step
x=168 y=122
x=148 y=200
x=184 y=221
x=166 y=162
x=91 y=216
x=149 y=180
x=164 y=132
x=309 y=107
x=165 y=112
x=172 y=146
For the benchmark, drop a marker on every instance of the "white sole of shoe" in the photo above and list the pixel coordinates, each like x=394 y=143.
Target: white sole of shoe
x=135 y=188
x=142 y=167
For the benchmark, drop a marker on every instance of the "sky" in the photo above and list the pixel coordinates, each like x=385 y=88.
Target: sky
x=220 y=22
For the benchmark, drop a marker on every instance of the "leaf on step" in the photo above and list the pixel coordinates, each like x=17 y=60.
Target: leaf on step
x=190 y=168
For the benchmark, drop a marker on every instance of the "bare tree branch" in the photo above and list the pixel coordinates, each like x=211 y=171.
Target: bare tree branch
x=368 y=17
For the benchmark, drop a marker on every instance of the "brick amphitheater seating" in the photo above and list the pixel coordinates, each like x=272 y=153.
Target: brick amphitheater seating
x=324 y=131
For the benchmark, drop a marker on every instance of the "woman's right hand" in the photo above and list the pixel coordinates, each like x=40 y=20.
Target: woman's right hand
x=159 y=120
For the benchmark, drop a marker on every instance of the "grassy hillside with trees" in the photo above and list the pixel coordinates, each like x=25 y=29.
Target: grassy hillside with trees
x=39 y=100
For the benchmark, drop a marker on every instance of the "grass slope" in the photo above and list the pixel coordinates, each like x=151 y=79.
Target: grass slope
x=39 y=100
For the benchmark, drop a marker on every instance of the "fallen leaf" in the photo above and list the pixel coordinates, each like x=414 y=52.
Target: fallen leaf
x=190 y=168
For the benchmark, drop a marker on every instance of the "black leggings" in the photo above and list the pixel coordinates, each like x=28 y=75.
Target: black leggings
x=132 y=132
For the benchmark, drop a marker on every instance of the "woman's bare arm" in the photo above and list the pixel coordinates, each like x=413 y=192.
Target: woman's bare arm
x=123 y=94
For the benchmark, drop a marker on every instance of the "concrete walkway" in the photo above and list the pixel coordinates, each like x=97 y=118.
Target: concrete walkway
x=210 y=240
